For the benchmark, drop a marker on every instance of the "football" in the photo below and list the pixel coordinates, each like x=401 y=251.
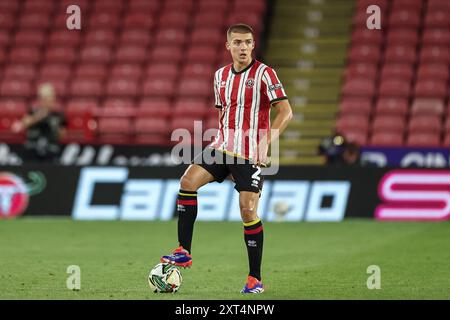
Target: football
x=165 y=278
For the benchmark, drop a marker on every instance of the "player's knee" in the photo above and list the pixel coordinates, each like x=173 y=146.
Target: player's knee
x=188 y=184
x=248 y=211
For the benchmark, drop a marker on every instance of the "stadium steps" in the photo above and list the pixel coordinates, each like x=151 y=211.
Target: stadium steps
x=307 y=45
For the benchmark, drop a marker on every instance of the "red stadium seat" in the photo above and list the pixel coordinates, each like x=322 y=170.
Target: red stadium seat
x=408 y=37
x=359 y=87
x=400 y=5
x=194 y=108
x=354 y=122
x=395 y=88
x=122 y=87
x=129 y=54
x=138 y=20
x=15 y=88
x=434 y=71
x=154 y=107
x=404 y=18
x=183 y=122
x=438 y=5
x=9 y=7
x=422 y=106
x=363 y=4
x=135 y=37
x=430 y=88
x=439 y=37
x=391 y=123
x=80 y=107
x=39 y=6
x=158 y=88
x=174 y=19
x=91 y=71
x=398 y=71
x=438 y=54
x=194 y=88
x=208 y=37
x=386 y=139
x=182 y=5
x=392 y=106
x=213 y=5
x=55 y=71
x=99 y=38
x=162 y=71
x=153 y=125
x=34 y=20
x=145 y=6
x=104 y=20
x=108 y=5
x=355 y=106
x=206 y=54
x=400 y=54
x=358 y=137
x=436 y=19
x=6 y=133
x=96 y=54
x=25 y=55
x=127 y=70
x=66 y=55
x=151 y=139
x=114 y=130
x=423 y=140
x=368 y=70
x=20 y=72
x=86 y=88
x=29 y=38
x=167 y=54
x=64 y=38
x=365 y=53
x=425 y=123
x=366 y=36
x=170 y=37
x=209 y=20
x=197 y=70
x=13 y=108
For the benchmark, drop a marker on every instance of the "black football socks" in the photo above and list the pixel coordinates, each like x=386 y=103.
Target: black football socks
x=187 y=213
x=254 y=238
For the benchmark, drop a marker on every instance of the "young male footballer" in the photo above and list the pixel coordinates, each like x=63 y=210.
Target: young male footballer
x=245 y=92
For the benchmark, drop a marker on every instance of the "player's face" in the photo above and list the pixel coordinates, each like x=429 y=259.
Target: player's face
x=241 y=46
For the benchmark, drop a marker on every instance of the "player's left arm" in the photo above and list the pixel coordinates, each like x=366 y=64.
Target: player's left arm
x=282 y=118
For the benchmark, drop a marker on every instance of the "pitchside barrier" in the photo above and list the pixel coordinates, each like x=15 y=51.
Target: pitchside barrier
x=294 y=194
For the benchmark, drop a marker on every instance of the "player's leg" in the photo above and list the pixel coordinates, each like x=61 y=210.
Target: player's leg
x=254 y=239
x=193 y=179
x=249 y=184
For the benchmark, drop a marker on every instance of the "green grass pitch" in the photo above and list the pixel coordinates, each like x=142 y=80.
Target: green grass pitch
x=301 y=260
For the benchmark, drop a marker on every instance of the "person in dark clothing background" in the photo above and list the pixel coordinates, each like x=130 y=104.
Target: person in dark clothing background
x=44 y=127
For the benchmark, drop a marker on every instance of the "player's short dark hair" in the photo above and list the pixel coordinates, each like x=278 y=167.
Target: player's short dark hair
x=239 y=28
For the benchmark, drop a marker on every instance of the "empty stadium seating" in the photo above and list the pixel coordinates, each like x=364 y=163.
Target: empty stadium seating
x=397 y=78
x=136 y=70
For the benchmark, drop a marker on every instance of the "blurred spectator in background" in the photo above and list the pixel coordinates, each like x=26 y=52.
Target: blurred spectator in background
x=339 y=152
x=44 y=127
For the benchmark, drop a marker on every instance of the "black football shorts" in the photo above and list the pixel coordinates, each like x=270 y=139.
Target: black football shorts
x=246 y=175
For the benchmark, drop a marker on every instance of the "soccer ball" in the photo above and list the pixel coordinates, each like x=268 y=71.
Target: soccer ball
x=164 y=278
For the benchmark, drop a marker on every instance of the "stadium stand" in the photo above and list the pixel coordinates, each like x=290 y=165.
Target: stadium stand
x=403 y=71
x=128 y=74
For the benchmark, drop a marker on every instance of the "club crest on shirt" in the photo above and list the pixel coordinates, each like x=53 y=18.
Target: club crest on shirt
x=249 y=83
x=222 y=84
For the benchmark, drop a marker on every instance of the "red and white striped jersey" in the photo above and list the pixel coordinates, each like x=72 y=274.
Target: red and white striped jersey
x=245 y=98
